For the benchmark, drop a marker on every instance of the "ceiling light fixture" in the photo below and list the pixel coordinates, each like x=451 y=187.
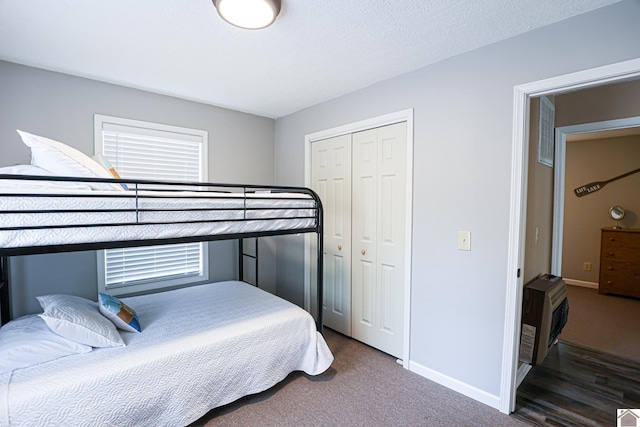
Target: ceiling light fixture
x=248 y=14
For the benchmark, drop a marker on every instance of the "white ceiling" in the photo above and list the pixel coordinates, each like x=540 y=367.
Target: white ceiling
x=315 y=51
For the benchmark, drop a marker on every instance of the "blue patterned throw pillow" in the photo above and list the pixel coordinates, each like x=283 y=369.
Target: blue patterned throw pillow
x=123 y=316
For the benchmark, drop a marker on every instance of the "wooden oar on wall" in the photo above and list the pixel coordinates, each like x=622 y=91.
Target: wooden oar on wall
x=595 y=186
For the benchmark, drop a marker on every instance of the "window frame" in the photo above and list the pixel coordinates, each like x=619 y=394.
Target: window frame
x=170 y=281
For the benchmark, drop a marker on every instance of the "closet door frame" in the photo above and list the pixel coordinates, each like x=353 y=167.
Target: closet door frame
x=372 y=123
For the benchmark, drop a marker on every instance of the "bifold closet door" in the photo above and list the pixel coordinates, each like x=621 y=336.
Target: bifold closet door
x=378 y=237
x=331 y=179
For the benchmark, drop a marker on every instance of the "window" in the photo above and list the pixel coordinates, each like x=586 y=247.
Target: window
x=141 y=150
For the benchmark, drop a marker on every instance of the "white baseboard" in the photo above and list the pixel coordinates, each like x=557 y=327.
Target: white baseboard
x=523 y=370
x=456 y=385
x=582 y=283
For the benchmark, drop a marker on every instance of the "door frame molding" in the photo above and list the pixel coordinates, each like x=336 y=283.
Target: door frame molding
x=559 y=174
x=522 y=94
x=371 y=123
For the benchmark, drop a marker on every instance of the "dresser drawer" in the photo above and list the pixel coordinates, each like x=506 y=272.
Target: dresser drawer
x=622 y=279
x=621 y=270
x=620 y=262
x=618 y=246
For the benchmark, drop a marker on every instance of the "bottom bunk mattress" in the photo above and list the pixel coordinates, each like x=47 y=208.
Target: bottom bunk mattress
x=200 y=348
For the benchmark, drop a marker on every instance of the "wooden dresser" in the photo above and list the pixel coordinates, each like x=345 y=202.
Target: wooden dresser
x=620 y=262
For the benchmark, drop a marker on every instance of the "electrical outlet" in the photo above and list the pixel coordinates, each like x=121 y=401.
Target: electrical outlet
x=586 y=266
x=464 y=240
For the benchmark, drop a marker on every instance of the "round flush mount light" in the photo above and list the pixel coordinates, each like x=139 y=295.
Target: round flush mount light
x=248 y=14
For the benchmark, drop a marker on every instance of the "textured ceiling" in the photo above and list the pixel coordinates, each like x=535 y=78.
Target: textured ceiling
x=315 y=51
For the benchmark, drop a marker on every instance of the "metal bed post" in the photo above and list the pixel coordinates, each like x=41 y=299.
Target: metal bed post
x=319 y=265
x=255 y=258
x=5 y=305
x=241 y=259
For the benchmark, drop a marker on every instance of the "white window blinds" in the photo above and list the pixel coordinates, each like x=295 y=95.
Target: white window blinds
x=140 y=150
x=140 y=153
x=129 y=266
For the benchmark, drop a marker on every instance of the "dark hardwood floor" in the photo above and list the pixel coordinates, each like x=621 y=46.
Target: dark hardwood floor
x=575 y=386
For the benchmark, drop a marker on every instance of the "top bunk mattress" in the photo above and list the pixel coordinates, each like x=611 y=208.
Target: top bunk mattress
x=38 y=217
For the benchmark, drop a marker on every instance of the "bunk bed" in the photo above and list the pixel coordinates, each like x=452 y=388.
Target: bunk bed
x=183 y=362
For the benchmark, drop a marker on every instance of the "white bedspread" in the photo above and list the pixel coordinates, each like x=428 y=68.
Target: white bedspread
x=200 y=347
x=173 y=214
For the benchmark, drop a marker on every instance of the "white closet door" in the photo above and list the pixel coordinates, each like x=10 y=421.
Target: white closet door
x=378 y=237
x=331 y=179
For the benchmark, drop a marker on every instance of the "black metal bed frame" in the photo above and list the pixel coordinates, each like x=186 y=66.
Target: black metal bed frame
x=141 y=189
x=242 y=255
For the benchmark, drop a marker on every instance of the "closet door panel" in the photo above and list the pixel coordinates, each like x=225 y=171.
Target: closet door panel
x=364 y=279
x=387 y=289
x=391 y=257
x=379 y=189
x=388 y=206
x=365 y=214
x=320 y=187
x=365 y=270
x=390 y=244
x=331 y=179
x=338 y=303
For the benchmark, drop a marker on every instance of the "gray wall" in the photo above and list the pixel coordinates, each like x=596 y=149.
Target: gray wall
x=59 y=106
x=462 y=164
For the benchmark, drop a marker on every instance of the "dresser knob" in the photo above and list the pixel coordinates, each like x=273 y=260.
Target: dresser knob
x=339 y=247
x=611 y=253
x=610 y=268
x=612 y=239
x=609 y=282
x=363 y=252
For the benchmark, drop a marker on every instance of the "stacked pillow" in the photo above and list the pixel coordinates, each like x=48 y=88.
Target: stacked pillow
x=62 y=160
x=27 y=341
x=34 y=170
x=69 y=325
x=78 y=319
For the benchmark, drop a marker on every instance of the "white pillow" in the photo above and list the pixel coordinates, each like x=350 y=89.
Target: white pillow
x=62 y=160
x=25 y=170
x=27 y=341
x=34 y=170
x=78 y=319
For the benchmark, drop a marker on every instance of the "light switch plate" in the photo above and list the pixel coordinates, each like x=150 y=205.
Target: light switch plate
x=464 y=240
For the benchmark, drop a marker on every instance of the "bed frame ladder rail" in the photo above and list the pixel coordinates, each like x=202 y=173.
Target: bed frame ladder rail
x=242 y=255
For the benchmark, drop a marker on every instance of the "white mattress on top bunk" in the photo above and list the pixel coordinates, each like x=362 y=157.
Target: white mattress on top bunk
x=200 y=347
x=190 y=207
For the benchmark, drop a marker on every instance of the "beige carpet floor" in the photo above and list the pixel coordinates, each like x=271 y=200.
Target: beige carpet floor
x=363 y=387
x=606 y=323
